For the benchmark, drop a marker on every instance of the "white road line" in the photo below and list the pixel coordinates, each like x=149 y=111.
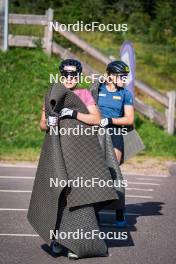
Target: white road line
x=16 y=177
x=144 y=175
x=12 y=209
x=139 y=196
x=137 y=189
x=20 y=235
x=144 y=179
x=15 y=191
x=145 y=183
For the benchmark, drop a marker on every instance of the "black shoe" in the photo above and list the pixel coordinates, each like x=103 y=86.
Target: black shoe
x=56 y=248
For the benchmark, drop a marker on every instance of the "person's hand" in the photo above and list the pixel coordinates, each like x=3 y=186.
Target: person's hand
x=68 y=112
x=52 y=121
x=105 y=122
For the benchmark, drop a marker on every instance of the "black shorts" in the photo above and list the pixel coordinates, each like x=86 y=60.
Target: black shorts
x=117 y=139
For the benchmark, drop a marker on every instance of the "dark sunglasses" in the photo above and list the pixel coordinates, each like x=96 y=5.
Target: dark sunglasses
x=72 y=74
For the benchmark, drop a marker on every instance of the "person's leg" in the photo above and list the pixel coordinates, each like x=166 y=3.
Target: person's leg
x=118 y=154
x=118 y=145
x=120 y=217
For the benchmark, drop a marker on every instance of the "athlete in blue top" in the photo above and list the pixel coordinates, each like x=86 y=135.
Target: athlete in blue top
x=116 y=103
x=116 y=107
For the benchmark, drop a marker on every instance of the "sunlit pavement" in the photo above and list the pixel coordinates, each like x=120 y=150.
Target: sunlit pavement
x=150 y=206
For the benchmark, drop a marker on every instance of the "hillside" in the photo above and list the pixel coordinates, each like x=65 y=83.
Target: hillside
x=24 y=75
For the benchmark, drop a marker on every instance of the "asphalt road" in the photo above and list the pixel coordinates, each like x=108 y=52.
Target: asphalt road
x=151 y=204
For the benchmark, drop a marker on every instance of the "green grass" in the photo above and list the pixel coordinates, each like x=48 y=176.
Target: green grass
x=24 y=76
x=155 y=64
x=157 y=142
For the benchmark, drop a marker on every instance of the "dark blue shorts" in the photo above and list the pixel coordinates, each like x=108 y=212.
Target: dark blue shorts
x=117 y=140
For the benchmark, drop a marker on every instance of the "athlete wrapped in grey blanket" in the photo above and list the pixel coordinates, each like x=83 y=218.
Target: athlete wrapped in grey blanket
x=67 y=157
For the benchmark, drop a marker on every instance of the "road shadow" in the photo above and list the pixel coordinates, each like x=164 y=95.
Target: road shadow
x=133 y=211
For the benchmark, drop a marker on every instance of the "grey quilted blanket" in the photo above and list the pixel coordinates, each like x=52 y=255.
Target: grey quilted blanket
x=66 y=157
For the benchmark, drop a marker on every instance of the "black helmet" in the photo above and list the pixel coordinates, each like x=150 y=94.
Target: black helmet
x=118 y=67
x=74 y=69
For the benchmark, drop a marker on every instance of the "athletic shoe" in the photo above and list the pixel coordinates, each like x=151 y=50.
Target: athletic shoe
x=72 y=255
x=121 y=224
x=56 y=247
x=120 y=218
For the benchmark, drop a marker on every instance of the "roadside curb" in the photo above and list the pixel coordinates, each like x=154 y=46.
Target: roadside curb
x=33 y=165
x=19 y=164
x=172 y=169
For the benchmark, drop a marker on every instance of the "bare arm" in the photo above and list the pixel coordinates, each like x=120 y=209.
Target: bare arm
x=127 y=119
x=93 y=118
x=43 y=126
